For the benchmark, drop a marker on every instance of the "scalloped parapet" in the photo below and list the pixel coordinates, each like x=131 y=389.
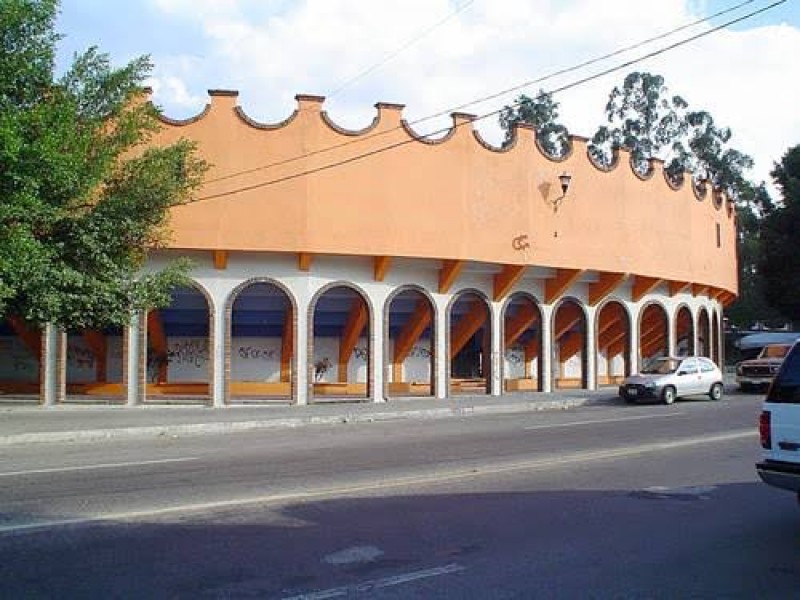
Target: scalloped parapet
x=308 y=185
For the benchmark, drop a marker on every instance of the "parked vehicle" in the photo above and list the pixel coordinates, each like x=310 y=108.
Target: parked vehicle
x=779 y=427
x=668 y=378
x=759 y=372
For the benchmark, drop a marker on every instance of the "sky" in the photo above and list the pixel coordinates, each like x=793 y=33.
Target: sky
x=437 y=56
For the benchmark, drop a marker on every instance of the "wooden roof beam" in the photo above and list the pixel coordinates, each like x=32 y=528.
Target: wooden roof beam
x=448 y=274
x=643 y=286
x=412 y=330
x=466 y=327
x=676 y=287
x=31 y=338
x=287 y=345
x=605 y=286
x=504 y=280
x=220 y=259
x=520 y=323
x=156 y=336
x=699 y=289
x=556 y=287
x=304 y=260
x=382 y=264
x=356 y=321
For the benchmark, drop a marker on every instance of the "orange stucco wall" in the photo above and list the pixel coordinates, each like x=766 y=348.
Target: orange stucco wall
x=454 y=199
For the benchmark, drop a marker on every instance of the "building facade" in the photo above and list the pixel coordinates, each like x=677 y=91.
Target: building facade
x=377 y=264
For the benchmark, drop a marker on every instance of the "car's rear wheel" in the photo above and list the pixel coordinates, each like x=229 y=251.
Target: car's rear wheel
x=668 y=395
x=715 y=393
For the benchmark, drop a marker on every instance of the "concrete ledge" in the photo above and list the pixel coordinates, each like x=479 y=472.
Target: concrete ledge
x=363 y=413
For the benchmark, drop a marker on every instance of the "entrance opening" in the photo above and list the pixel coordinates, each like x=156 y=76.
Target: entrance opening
x=410 y=355
x=340 y=345
x=569 y=346
x=613 y=344
x=522 y=344
x=470 y=344
x=262 y=344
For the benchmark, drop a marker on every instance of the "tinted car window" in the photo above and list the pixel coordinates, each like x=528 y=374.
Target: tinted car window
x=785 y=387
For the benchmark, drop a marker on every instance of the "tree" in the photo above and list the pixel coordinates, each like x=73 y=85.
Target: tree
x=84 y=196
x=644 y=118
x=780 y=245
x=751 y=305
x=540 y=112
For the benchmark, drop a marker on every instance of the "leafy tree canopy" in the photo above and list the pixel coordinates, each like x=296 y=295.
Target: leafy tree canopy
x=84 y=197
x=779 y=263
x=540 y=112
x=652 y=123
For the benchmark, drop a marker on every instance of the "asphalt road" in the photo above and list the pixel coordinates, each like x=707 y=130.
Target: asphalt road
x=602 y=502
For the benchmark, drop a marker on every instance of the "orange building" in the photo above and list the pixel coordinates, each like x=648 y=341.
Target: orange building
x=378 y=263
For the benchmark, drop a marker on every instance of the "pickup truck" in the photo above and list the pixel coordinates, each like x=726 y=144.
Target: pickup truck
x=779 y=427
x=758 y=372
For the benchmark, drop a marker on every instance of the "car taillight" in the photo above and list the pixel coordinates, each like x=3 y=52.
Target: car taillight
x=765 y=430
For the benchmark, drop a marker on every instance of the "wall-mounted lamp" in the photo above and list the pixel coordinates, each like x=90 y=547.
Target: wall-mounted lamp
x=565 y=179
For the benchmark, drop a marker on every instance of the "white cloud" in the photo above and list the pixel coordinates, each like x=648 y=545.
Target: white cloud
x=272 y=51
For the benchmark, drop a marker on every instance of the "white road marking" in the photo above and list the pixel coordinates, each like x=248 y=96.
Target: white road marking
x=434 y=477
x=160 y=461
x=595 y=422
x=356 y=554
x=376 y=584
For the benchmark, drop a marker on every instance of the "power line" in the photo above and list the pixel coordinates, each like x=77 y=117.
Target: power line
x=494 y=96
x=562 y=88
x=399 y=50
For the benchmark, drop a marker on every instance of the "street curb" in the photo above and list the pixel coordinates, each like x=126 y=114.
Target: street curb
x=349 y=416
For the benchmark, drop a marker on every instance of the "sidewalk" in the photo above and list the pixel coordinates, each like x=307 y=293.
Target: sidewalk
x=22 y=421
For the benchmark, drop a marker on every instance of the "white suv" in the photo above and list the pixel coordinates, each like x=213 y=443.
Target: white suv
x=779 y=427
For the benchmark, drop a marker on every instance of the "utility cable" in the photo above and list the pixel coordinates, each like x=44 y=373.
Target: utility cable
x=554 y=91
x=399 y=50
x=484 y=99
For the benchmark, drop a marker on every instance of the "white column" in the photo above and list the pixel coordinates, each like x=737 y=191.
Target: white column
x=377 y=368
x=133 y=356
x=302 y=360
x=634 y=337
x=547 y=348
x=49 y=369
x=217 y=354
x=442 y=362
x=672 y=341
x=496 y=374
x=591 y=348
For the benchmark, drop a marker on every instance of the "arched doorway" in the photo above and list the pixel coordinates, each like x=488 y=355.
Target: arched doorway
x=469 y=343
x=522 y=344
x=20 y=351
x=410 y=344
x=569 y=346
x=340 y=352
x=653 y=333
x=178 y=347
x=703 y=333
x=262 y=342
x=613 y=344
x=95 y=363
x=684 y=332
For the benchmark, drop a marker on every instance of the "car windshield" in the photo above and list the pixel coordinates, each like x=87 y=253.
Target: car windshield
x=661 y=366
x=775 y=351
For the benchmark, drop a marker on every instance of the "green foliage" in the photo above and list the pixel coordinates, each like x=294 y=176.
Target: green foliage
x=779 y=263
x=83 y=201
x=644 y=118
x=540 y=112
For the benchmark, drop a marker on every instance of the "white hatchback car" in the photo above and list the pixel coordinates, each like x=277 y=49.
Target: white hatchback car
x=668 y=378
